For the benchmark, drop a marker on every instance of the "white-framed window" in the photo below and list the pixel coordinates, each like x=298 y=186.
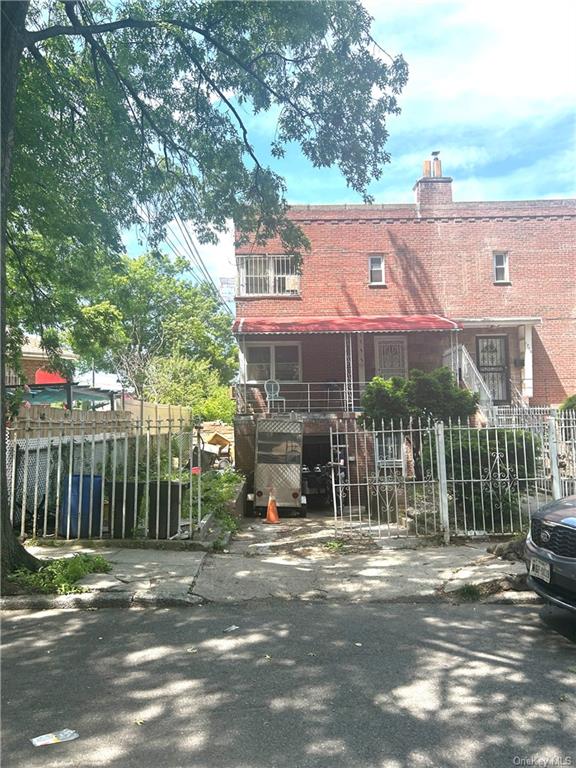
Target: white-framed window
x=501 y=267
x=278 y=360
x=268 y=275
x=376 y=269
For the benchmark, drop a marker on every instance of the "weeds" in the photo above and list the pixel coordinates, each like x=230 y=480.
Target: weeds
x=334 y=545
x=60 y=576
x=469 y=592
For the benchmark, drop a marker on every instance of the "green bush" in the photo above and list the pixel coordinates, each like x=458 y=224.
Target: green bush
x=488 y=471
x=435 y=396
x=60 y=576
x=217 y=489
x=569 y=404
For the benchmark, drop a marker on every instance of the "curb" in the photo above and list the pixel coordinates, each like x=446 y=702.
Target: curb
x=93 y=600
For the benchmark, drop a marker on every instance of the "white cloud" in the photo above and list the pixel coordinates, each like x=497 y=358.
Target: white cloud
x=479 y=62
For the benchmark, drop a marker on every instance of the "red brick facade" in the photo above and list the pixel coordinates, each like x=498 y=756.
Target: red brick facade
x=439 y=260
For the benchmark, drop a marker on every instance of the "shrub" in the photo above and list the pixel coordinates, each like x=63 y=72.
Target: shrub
x=569 y=404
x=488 y=470
x=386 y=399
x=217 y=489
x=435 y=395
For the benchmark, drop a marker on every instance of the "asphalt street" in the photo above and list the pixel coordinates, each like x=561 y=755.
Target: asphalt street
x=297 y=685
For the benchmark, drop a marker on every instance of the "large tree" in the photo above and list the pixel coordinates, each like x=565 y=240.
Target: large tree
x=129 y=112
x=149 y=308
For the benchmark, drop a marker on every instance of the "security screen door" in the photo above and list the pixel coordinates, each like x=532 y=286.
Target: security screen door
x=492 y=362
x=391 y=357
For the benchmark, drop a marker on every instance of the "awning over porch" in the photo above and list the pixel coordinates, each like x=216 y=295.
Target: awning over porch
x=337 y=324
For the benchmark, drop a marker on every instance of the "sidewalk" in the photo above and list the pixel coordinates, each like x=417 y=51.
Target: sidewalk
x=293 y=560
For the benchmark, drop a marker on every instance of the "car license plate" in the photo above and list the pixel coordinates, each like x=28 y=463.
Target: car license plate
x=540 y=570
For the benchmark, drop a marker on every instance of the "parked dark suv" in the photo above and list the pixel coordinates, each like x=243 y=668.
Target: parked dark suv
x=551 y=552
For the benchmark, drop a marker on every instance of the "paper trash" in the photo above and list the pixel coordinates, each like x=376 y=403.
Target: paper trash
x=66 y=734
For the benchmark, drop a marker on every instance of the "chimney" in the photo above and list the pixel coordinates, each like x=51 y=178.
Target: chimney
x=433 y=188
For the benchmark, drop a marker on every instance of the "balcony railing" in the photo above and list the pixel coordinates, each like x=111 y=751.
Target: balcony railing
x=302 y=397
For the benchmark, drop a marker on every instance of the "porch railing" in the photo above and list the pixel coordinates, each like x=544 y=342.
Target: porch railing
x=458 y=359
x=302 y=397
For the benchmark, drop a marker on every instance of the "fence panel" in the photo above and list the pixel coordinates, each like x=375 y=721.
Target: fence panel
x=455 y=479
x=143 y=482
x=385 y=480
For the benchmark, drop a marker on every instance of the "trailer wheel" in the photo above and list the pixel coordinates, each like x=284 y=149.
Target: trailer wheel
x=303 y=510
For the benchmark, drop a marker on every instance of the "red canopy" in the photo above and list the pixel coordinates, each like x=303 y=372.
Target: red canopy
x=357 y=324
x=47 y=377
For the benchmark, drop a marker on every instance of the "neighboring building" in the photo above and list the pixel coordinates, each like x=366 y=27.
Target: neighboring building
x=488 y=288
x=34 y=362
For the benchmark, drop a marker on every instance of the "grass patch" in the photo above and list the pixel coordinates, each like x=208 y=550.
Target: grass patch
x=59 y=577
x=334 y=545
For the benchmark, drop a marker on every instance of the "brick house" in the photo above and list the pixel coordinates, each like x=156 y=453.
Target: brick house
x=34 y=364
x=487 y=288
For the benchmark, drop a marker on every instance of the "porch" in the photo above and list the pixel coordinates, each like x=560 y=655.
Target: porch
x=322 y=365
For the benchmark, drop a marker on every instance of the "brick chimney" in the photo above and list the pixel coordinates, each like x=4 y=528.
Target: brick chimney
x=433 y=188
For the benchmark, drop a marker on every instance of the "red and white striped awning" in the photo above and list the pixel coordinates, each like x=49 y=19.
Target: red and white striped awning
x=349 y=324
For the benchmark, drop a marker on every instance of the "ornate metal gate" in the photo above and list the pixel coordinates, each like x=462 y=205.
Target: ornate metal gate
x=425 y=479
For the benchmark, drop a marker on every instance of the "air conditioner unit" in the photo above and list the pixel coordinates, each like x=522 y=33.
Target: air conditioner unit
x=292 y=282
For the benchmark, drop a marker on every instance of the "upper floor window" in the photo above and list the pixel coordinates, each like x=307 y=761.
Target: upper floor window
x=501 y=273
x=267 y=276
x=376 y=270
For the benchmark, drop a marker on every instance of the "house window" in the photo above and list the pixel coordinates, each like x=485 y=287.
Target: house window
x=266 y=275
x=376 y=270
x=273 y=361
x=501 y=274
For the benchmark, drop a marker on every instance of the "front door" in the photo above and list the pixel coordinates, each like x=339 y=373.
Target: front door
x=492 y=363
x=391 y=357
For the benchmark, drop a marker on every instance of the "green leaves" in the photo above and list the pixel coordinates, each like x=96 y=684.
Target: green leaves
x=132 y=111
x=434 y=395
x=193 y=383
x=150 y=313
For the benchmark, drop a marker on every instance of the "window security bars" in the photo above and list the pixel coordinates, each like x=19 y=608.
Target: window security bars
x=268 y=276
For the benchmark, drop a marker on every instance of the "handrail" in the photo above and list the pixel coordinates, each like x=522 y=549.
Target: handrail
x=460 y=361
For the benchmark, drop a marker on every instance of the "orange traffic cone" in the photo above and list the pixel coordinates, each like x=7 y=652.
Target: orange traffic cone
x=272 y=510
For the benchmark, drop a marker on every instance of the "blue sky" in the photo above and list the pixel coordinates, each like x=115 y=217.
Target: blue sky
x=491 y=86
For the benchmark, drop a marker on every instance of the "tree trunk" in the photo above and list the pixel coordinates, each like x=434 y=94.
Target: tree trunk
x=13 y=26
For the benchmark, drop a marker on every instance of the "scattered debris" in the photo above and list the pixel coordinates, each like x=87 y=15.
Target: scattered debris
x=268 y=657
x=232 y=628
x=512 y=550
x=312 y=654
x=191 y=650
x=138 y=722
x=358 y=645
x=66 y=734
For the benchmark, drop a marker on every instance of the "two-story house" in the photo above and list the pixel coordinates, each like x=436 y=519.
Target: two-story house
x=487 y=288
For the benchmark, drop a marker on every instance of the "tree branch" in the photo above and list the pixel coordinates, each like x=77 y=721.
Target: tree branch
x=220 y=93
x=86 y=30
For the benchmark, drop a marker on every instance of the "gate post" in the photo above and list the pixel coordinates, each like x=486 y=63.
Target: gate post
x=442 y=481
x=553 y=449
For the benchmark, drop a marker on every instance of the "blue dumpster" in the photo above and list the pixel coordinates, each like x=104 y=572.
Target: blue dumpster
x=81 y=531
